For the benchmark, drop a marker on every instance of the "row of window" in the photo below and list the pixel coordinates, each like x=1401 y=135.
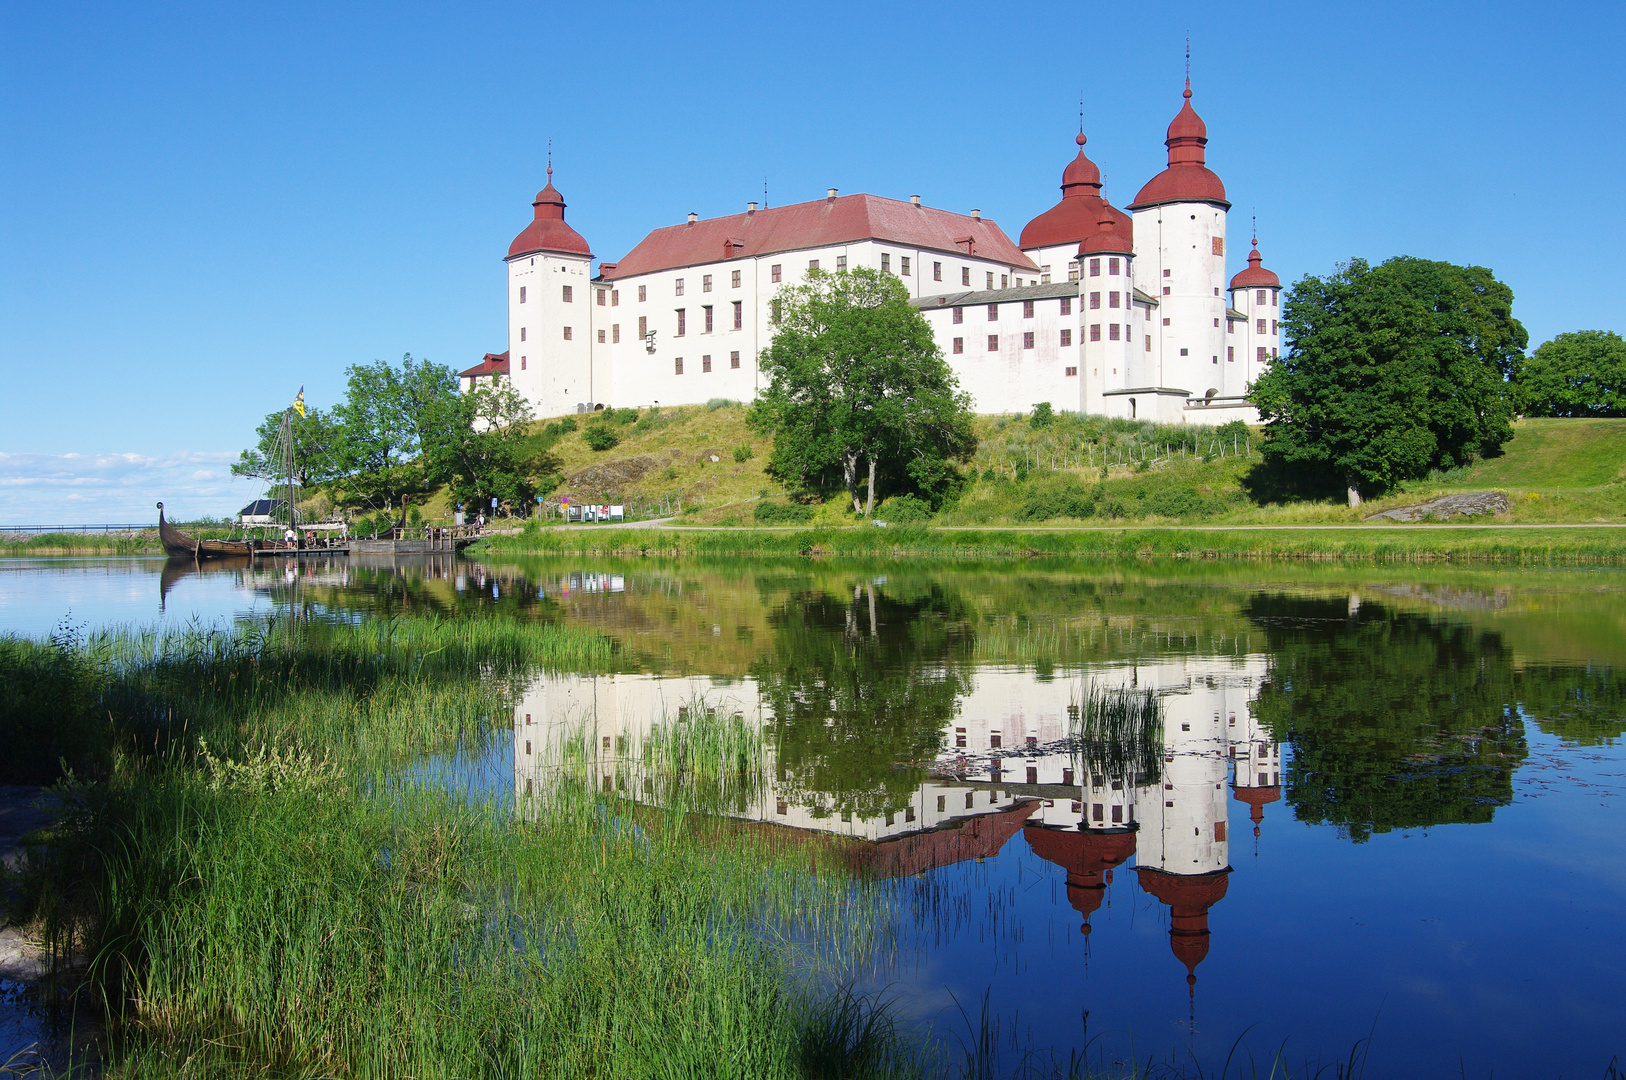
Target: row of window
x=705 y=363
x=1113 y=265
x=1027 y=310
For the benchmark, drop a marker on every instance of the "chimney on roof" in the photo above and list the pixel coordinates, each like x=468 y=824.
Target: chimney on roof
x=693 y=217
x=830 y=194
x=750 y=208
x=976 y=215
x=914 y=200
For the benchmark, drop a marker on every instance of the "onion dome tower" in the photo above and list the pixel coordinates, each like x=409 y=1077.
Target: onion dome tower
x=1188 y=896
x=1187 y=178
x=550 y=310
x=1106 y=320
x=1075 y=218
x=1088 y=856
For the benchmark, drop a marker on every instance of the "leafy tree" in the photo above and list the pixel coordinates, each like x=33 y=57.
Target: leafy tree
x=384 y=420
x=478 y=445
x=1391 y=371
x=1577 y=374
x=316 y=440
x=856 y=382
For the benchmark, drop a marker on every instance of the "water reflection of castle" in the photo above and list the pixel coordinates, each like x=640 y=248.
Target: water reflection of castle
x=1006 y=765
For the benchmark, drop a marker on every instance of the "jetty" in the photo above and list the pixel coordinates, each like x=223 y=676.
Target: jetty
x=422 y=540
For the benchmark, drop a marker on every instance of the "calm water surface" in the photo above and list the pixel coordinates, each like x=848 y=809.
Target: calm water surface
x=1380 y=803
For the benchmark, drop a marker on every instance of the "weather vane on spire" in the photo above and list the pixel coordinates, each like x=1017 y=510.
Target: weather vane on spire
x=1188 y=65
x=1256 y=230
x=550 y=161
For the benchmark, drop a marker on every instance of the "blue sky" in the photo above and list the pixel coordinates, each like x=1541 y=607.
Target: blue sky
x=203 y=207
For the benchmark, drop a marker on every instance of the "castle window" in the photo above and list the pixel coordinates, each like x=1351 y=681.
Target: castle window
x=705 y=364
x=643 y=326
x=1165 y=320
x=965 y=275
x=812 y=264
x=734 y=359
x=990 y=279
x=1095 y=267
x=1219 y=245
x=1230 y=354
x=1148 y=342
x=682 y=321
x=615 y=333
x=1095 y=331
x=677 y=365
x=1259 y=326
x=841 y=263
x=601 y=337
x=1166 y=290
x=705 y=283
x=1261 y=356
x=677 y=287
x=1112 y=329
x=568 y=295
x=567 y=333
x=1112 y=299
x=1165 y=273
x=1095 y=300
x=993 y=342
x=1067 y=305
x=522 y=363
x=735 y=281
x=601 y=300
x=739 y=314
x=1274 y=326
x=1213 y=359
x=1185 y=352
x=959 y=315
x=1072 y=270
x=1275 y=298
x=615 y=297
x=993 y=312
x=643 y=293
x=937 y=271
x=1112 y=267
x=522 y=294
x=903 y=265
x=1072 y=371
x=522 y=333
x=707 y=309
x=1027 y=309
x=959 y=346
x=1027 y=339
x=1066 y=337
x=1004 y=281
x=774 y=272
x=1230 y=326
x=886 y=262
x=1259 y=297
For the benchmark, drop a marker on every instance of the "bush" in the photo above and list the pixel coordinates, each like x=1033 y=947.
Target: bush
x=742 y=452
x=720 y=403
x=599 y=437
x=623 y=417
x=1058 y=496
x=776 y=513
x=905 y=509
x=1043 y=416
x=1177 y=502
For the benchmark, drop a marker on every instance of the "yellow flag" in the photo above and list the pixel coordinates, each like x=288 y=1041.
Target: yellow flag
x=299 y=403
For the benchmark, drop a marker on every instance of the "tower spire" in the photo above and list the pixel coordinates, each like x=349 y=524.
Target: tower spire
x=1188 y=65
x=550 y=161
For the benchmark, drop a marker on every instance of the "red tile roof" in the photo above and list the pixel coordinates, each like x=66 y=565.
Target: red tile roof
x=547 y=230
x=822 y=223
x=1187 y=179
x=1074 y=218
x=490 y=364
x=1255 y=276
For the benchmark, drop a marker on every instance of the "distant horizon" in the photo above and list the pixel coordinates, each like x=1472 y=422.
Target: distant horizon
x=217 y=206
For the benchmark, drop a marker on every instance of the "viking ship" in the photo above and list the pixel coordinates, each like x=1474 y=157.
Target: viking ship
x=181 y=546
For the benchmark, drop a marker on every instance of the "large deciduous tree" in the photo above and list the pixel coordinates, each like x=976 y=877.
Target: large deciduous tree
x=1391 y=371
x=856 y=384
x=478 y=445
x=1576 y=374
x=316 y=439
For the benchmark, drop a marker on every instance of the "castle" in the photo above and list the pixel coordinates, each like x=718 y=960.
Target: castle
x=1094 y=309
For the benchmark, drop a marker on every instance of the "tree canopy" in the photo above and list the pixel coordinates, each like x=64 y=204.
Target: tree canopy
x=1391 y=371
x=404 y=430
x=856 y=383
x=1577 y=374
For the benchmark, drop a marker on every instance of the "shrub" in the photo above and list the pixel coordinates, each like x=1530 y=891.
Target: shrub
x=1043 y=415
x=1179 y=502
x=720 y=403
x=777 y=513
x=742 y=452
x=1058 y=496
x=599 y=437
x=905 y=509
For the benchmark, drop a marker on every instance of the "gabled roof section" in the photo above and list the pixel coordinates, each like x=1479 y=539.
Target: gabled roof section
x=997 y=296
x=822 y=223
x=490 y=364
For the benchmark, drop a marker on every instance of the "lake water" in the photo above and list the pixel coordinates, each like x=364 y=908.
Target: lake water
x=1150 y=809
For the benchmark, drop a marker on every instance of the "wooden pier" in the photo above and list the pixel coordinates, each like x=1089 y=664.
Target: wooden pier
x=424 y=540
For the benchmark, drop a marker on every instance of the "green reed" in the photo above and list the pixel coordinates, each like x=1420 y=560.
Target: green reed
x=261 y=888
x=1117 y=733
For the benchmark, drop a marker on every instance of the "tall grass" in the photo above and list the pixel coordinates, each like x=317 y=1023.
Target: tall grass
x=1118 y=733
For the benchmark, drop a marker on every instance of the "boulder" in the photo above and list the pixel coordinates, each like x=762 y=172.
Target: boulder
x=1467 y=504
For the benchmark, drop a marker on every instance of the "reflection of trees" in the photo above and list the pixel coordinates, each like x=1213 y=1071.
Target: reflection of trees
x=1396 y=720
x=1584 y=705
x=859 y=686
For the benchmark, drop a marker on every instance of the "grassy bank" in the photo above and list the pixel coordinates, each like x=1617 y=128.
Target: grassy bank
x=1373 y=543
x=260 y=891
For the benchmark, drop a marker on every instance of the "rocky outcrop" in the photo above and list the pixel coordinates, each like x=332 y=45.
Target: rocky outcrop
x=1467 y=504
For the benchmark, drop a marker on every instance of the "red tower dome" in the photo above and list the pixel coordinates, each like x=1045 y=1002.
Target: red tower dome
x=1088 y=857
x=1187 y=179
x=547 y=230
x=1108 y=238
x=1074 y=218
x=1189 y=896
x=1255 y=276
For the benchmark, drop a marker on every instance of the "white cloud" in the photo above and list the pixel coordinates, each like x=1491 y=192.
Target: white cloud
x=58 y=489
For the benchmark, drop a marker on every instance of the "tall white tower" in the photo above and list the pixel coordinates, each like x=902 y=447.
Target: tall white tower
x=1112 y=366
x=550 y=309
x=1180 y=261
x=1257 y=294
